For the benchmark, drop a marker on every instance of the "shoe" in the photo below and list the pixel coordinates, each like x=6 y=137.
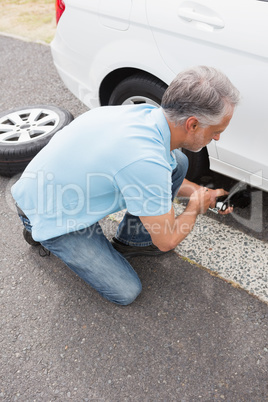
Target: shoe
x=134 y=251
x=43 y=252
x=28 y=237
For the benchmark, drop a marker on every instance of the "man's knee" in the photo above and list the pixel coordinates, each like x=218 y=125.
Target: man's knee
x=182 y=162
x=128 y=295
x=179 y=173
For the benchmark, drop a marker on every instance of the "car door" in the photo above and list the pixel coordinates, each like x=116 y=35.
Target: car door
x=231 y=35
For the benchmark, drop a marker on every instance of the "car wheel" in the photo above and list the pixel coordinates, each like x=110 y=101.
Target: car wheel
x=25 y=131
x=137 y=89
x=198 y=164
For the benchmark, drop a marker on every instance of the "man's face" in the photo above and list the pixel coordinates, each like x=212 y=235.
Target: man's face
x=203 y=136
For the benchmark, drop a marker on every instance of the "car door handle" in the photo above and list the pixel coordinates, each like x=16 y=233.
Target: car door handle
x=189 y=15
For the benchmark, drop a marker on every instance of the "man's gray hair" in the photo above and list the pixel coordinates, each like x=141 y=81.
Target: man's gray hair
x=202 y=92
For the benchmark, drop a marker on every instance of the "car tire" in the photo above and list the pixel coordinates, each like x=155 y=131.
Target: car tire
x=25 y=131
x=138 y=89
x=198 y=164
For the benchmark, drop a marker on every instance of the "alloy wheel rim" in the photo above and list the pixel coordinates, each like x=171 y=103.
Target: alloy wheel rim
x=27 y=125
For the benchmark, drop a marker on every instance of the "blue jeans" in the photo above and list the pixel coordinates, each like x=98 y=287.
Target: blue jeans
x=92 y=257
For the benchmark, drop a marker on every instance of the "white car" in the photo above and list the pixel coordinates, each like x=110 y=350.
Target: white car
x=111 y=52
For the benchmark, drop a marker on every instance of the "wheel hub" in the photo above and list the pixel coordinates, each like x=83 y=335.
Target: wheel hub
x=24 y=126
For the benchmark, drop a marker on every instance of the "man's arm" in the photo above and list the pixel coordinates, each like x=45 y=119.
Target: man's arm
x=167 y=231
x=188 y=188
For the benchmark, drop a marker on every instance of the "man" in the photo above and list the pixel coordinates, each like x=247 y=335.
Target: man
x=119 y=157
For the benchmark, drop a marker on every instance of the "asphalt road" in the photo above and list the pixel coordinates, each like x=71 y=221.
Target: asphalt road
x=189 y=336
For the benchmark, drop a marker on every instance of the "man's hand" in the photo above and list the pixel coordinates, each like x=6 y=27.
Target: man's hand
x=214 y=194
x=200 y=200
x=188 y=189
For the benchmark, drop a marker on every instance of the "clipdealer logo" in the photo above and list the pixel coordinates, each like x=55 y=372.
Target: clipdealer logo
x=99 y=197
x=49 y=195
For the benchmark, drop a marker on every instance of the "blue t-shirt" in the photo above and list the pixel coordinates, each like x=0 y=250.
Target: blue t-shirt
x=108 y=159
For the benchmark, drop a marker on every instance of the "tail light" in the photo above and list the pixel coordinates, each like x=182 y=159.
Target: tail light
x=60 y=7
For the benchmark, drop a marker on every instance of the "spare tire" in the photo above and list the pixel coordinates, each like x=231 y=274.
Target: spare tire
x=25 y=131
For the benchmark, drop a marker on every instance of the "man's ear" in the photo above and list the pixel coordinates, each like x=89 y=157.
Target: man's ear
x=191 y=124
